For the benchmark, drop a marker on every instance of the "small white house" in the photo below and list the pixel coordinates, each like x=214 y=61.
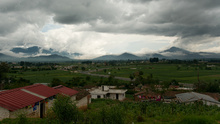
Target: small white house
x=108 y=92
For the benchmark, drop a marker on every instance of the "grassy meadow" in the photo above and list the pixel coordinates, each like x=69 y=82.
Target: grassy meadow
x=164 y=72
x=167 y=72
x=44 y=76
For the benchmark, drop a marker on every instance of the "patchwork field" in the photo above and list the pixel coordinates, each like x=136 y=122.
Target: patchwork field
x=164 y=72
x=168 y=72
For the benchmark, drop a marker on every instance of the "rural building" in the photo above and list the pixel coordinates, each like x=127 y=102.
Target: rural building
x=80 y=97
x=67 y=91
x=191 y=97
x=147 y=96
x=33 y=100
x=170 y=96
x=108 y=92
x=83 y=98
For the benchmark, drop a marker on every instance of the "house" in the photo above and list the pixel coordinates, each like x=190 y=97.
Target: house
x=67 y=91
x=147 y=96
x=34 y=100
x=191 y=97
x=83 y=98
x=108 y=92
x=170 y=96
x=80 y=97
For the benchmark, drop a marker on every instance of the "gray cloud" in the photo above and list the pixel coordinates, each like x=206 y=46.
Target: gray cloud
x=161 y=17
x=22 y=20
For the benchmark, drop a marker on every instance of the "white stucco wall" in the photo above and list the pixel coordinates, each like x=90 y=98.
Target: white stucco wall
x=120 y=96
x=73 y=98
x=48 y=105
x=95 y=96
x=211 y=103
x=4 y=113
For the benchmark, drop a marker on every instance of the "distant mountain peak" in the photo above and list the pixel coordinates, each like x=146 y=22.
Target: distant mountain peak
x=125 y=54
x=175 y=49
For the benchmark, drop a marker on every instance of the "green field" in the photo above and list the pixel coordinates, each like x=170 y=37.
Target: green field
x=44 y=76
x=163 y=72
x=168 y=72
x=48 y=76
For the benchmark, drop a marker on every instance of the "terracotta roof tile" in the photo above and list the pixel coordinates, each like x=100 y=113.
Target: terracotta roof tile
x=66 y=90
x=16 y=98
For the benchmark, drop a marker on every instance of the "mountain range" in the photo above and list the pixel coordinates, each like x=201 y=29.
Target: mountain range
x=124 y=56
x=44 y=58
x=171 y=53
x=35 y=50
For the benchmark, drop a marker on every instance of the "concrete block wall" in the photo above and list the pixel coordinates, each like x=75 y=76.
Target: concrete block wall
x=4 y=113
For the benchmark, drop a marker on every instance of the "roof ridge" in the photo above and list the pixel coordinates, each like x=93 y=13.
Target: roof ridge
x=196 y=94
x=59 y=86
x=190 y=97
x=19 y=88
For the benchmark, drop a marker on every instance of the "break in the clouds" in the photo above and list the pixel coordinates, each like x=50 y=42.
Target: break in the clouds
x=100 y=27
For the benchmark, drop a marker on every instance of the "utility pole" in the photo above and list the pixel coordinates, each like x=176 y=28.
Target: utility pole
x=198 y=77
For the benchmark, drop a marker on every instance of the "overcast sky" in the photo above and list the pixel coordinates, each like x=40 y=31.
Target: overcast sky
x=99 y=27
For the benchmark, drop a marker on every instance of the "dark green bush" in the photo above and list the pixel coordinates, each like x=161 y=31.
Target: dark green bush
x=196 y=120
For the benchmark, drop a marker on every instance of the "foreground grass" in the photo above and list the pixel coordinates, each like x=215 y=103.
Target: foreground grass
x=107 y=111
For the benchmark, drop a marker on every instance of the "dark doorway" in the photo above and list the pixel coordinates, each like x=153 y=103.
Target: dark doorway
x=116 y=96
x=41 y=110
x=98 y=96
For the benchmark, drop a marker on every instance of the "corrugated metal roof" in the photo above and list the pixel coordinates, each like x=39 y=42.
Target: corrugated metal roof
x=193 y=96
x=17 y=98
x=66 y=90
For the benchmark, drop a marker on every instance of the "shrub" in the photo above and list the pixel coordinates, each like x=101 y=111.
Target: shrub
x=140 y=119
x=22 y=119
x=65 y=110
x=196 y=120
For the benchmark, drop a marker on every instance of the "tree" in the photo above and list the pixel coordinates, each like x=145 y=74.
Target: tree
x=56 y=82
x=141 y=73
x=4 y=68
x=154 y=60
x=83 y=68
x=65 y=110
x=88 y=78
x=131 y=77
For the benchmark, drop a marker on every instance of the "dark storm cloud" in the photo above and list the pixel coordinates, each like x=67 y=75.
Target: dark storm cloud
x=181 y=18
x=83 y=11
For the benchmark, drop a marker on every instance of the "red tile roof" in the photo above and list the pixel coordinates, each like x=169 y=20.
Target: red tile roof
x=66 y=90
x=17 y=98
x=42 y=90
